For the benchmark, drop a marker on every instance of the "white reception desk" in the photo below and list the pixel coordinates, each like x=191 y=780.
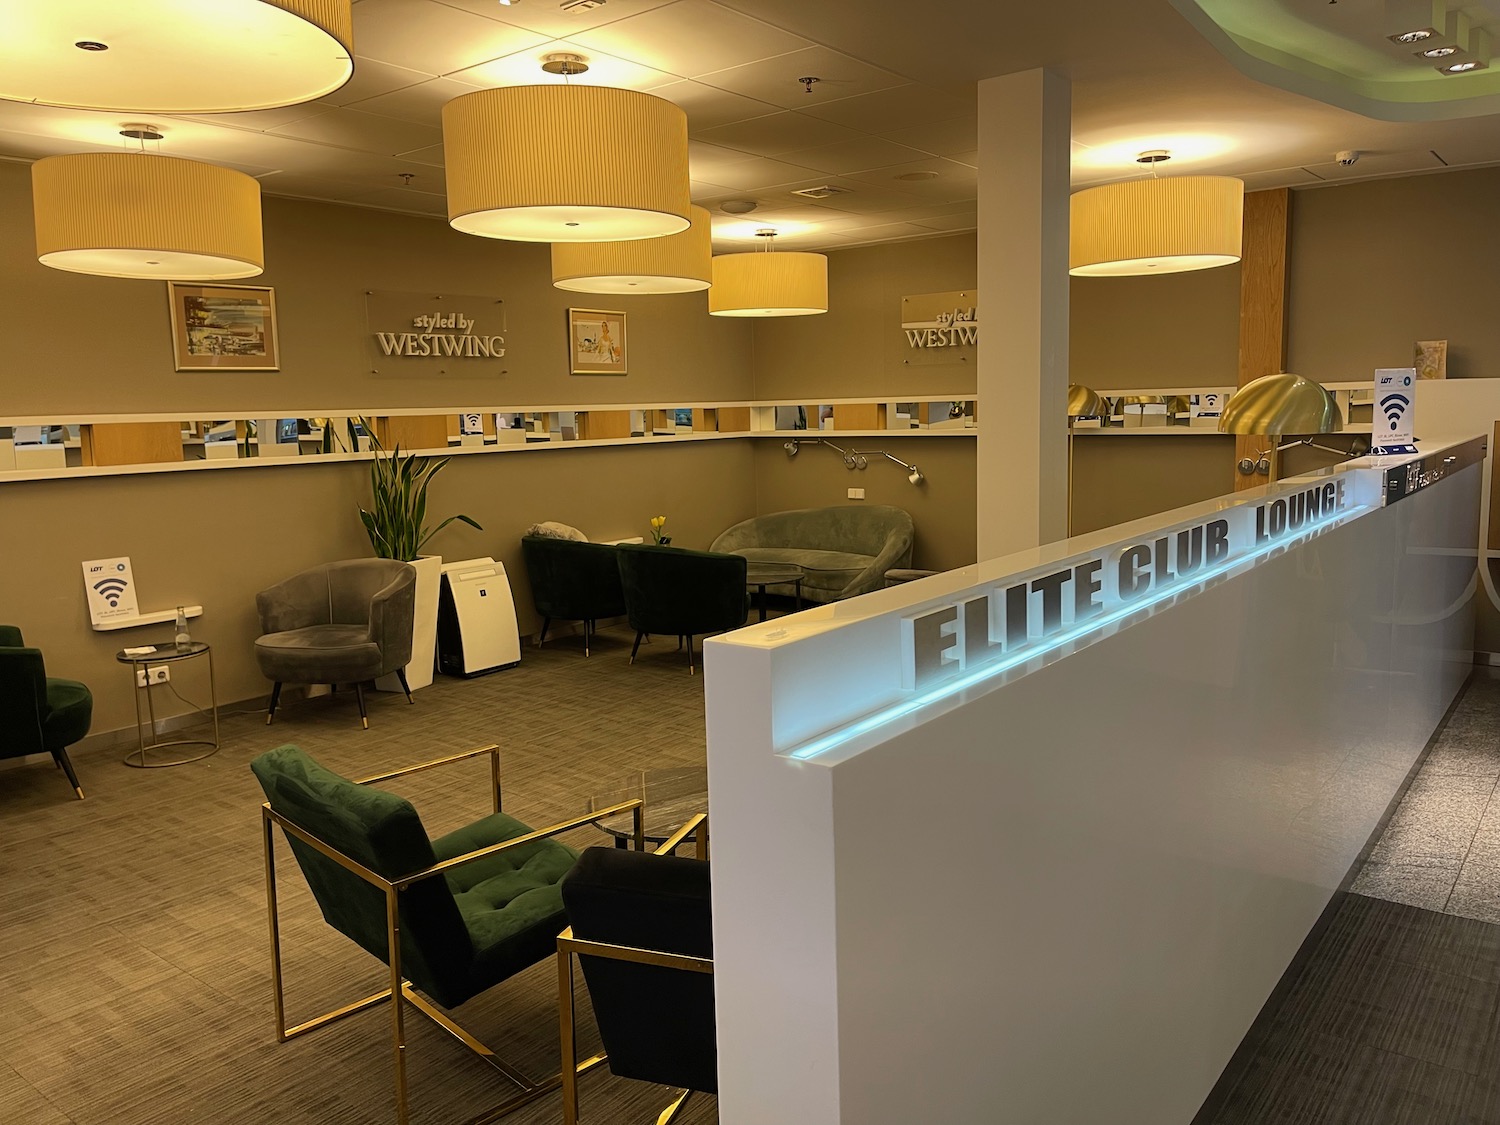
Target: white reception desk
x=1031 y=842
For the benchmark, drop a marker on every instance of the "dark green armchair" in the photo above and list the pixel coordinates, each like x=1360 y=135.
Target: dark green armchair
x=572 y=581
x=674 y=592
x=449 y=917
x=39 y=714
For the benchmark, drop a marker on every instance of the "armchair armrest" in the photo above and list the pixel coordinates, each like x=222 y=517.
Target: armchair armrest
x=895 y=552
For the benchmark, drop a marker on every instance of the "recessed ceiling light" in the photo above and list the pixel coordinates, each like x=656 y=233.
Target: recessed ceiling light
x=1417 y=35
x=1461 y=67
x=738 y=206
x=141 y=132
x=914 y=176
x=1437 y=52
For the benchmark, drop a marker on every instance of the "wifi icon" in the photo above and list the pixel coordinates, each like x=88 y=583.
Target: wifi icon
x=1393 y=406
x=111 y=589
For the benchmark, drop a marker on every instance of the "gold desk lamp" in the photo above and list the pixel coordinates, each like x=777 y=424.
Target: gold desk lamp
x=1274 y=405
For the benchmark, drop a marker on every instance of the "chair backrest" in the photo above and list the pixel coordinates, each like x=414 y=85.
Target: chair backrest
x=675 y=592
x=657 y=1023
x=860 y=529
x=573 y=581
x=23 y=695
x=383 y=833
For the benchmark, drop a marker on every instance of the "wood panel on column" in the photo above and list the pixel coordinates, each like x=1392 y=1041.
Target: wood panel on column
x=1025 y=123
x=1262 y=311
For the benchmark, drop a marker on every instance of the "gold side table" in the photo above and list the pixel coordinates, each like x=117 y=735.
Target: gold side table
x=145 y=661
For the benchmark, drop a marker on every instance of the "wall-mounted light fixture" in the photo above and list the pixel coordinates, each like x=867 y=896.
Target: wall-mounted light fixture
x=1274 y=405
x=857 y=458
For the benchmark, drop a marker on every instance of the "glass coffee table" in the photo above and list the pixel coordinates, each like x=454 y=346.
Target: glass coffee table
x=760 y=575
x=671 y=798
x=143 y=660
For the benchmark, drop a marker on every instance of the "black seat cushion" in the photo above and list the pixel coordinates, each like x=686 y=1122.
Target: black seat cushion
x=657 y=1023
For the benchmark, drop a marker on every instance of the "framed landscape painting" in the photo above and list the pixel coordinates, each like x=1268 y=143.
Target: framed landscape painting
x=223 y=327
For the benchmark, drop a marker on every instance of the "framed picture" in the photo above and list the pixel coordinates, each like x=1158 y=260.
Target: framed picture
x=223 y=327
x=596 y=342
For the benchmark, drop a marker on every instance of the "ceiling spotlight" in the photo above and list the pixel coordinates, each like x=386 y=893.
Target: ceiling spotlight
x=1418 y=35
x=1437 y=52
x=1462 y=67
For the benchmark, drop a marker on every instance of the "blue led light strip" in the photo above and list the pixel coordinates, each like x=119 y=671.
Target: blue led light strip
x=837 y=737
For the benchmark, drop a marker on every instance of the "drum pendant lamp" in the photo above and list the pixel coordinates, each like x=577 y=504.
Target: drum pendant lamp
x=675 y=263
x=174 y=56
x=563 y=163
x=132 y=214
x=1167 y=225
x=769 y=284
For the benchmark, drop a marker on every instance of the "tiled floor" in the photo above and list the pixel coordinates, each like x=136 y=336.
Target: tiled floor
x=1441 y=850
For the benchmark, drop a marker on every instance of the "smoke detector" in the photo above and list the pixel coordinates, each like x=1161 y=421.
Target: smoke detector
x=738 y=206
x=822 y=192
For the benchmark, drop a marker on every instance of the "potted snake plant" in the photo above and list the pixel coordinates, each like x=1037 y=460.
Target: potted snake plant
x=396 y=523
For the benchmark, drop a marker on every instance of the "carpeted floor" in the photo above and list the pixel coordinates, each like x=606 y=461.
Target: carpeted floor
x=133 y=946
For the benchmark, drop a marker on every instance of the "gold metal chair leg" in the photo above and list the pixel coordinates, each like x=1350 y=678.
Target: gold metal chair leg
x=671 y=1113
x=398 y=1025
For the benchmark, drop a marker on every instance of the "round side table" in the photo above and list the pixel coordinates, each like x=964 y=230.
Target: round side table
x=144 y=662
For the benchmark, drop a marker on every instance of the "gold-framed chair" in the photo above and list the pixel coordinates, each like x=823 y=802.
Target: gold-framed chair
x=642 y=932
x=429 y=909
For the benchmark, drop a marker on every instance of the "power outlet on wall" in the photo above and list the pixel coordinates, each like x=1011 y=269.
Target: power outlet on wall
x=856 y=494
x=159 y=675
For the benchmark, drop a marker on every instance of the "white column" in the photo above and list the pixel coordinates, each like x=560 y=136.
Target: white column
x=1025 y=125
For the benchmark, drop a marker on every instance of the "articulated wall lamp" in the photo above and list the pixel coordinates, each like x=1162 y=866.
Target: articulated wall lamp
x=857 y=458
x=1274 y=405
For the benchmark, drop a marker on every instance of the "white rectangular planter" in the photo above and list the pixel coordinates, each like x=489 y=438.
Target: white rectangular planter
x=424 y=627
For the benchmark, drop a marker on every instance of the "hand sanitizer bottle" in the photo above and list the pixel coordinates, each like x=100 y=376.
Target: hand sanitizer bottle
x=184 y=639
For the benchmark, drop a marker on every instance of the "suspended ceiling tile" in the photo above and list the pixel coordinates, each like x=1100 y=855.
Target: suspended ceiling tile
x=254 y=120
x=400 y=199
x=889 y=232
x=707 y=161
x=755 y=173
x=857 y=155
x=884 y=111
x=775 y=79
x=371 y=78
x=298 y=186
x=1377 y=164
x=692 y=37
x=432 y=155
x=858 y=198
x=427 y=36
x=968 y=220
x=971 y=159
x=777 y=133
x=943 y=136
x=1280 y=177
x=550 y=19
x=708 y=108
x=367 y=132
x=422 y=103
x=953 y=181
x=524 y=68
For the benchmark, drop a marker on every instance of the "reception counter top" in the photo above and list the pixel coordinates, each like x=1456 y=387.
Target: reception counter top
x=1053 y=826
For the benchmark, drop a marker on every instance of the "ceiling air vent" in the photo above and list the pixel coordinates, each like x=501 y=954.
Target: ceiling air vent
x=821 y=192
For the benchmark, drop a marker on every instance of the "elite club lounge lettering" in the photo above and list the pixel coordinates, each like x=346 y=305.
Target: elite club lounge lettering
x=460 y=341
x=1028 y=614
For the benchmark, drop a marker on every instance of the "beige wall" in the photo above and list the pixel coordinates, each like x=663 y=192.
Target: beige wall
x=1117 y=478
x=1377 y=266
x=111 y=337
x=216 y=537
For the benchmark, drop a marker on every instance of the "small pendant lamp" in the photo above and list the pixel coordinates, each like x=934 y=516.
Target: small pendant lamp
x=174 y=56
x=566 y=163
x=675 y=263
x=136 y=214
x=1167 y=225
x=767 y=284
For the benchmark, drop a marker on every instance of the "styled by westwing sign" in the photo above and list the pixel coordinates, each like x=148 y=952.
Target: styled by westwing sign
x=1027 y=613
x=442 y=334
x=941 y=320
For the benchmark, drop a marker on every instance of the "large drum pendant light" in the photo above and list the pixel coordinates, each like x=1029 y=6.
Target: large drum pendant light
x=174 y=56
x=769 y=284
x=1166 y=225
x=566 y=164
x=124 y=214
x=676 y=263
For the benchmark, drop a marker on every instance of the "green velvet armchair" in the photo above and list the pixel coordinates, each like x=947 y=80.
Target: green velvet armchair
x=674 y=592
x=449 y=917
x=572 y=581
x=39 y=714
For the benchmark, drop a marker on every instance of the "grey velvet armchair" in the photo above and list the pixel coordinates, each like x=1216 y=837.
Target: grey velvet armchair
x=340 y=623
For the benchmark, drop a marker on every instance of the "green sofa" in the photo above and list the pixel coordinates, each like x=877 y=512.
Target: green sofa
x=843 y=551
